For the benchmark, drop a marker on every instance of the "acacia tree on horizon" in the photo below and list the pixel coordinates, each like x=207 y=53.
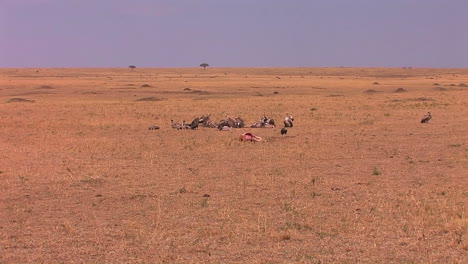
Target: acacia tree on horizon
x=132 y=67
x=204 y=65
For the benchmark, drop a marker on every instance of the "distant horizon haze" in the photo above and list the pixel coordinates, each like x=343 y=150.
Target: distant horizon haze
x=233 y=34
x=235 y=67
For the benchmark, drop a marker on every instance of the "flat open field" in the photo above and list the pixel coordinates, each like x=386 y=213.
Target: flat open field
x=358 y=179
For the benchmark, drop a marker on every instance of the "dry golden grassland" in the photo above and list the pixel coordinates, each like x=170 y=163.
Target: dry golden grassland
x=358 y=179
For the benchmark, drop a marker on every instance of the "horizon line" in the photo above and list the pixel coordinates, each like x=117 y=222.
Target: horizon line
x=239 y=67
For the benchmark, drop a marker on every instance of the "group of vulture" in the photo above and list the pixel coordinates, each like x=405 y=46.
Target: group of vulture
x=229 y=123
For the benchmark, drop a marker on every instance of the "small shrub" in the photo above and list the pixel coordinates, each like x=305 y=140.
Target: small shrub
x=287 y=207
x=376 y=172
x=22 y=179
x=405 y=228
x=204 y=203
x=194 y=171
x=278 y=172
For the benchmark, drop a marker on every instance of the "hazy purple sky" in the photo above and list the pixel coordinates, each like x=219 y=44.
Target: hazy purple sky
x=233 y=33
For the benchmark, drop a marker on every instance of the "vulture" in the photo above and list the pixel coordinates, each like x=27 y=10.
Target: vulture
x=194 y=124
x=288 y=120
x=426 y=118
x=238 y=122
x=284 y=131
x=230 y=122
x=175 y=125
x=222 y=124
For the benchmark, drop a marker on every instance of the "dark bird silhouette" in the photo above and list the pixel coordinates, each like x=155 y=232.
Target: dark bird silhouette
x=426 y=118
x=284 y=131
x=194 y=124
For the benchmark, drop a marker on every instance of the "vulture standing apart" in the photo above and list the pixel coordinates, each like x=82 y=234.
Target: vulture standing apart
x=426 y=118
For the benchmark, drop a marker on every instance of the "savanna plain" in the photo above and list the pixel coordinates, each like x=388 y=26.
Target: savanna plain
x=358 y=179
